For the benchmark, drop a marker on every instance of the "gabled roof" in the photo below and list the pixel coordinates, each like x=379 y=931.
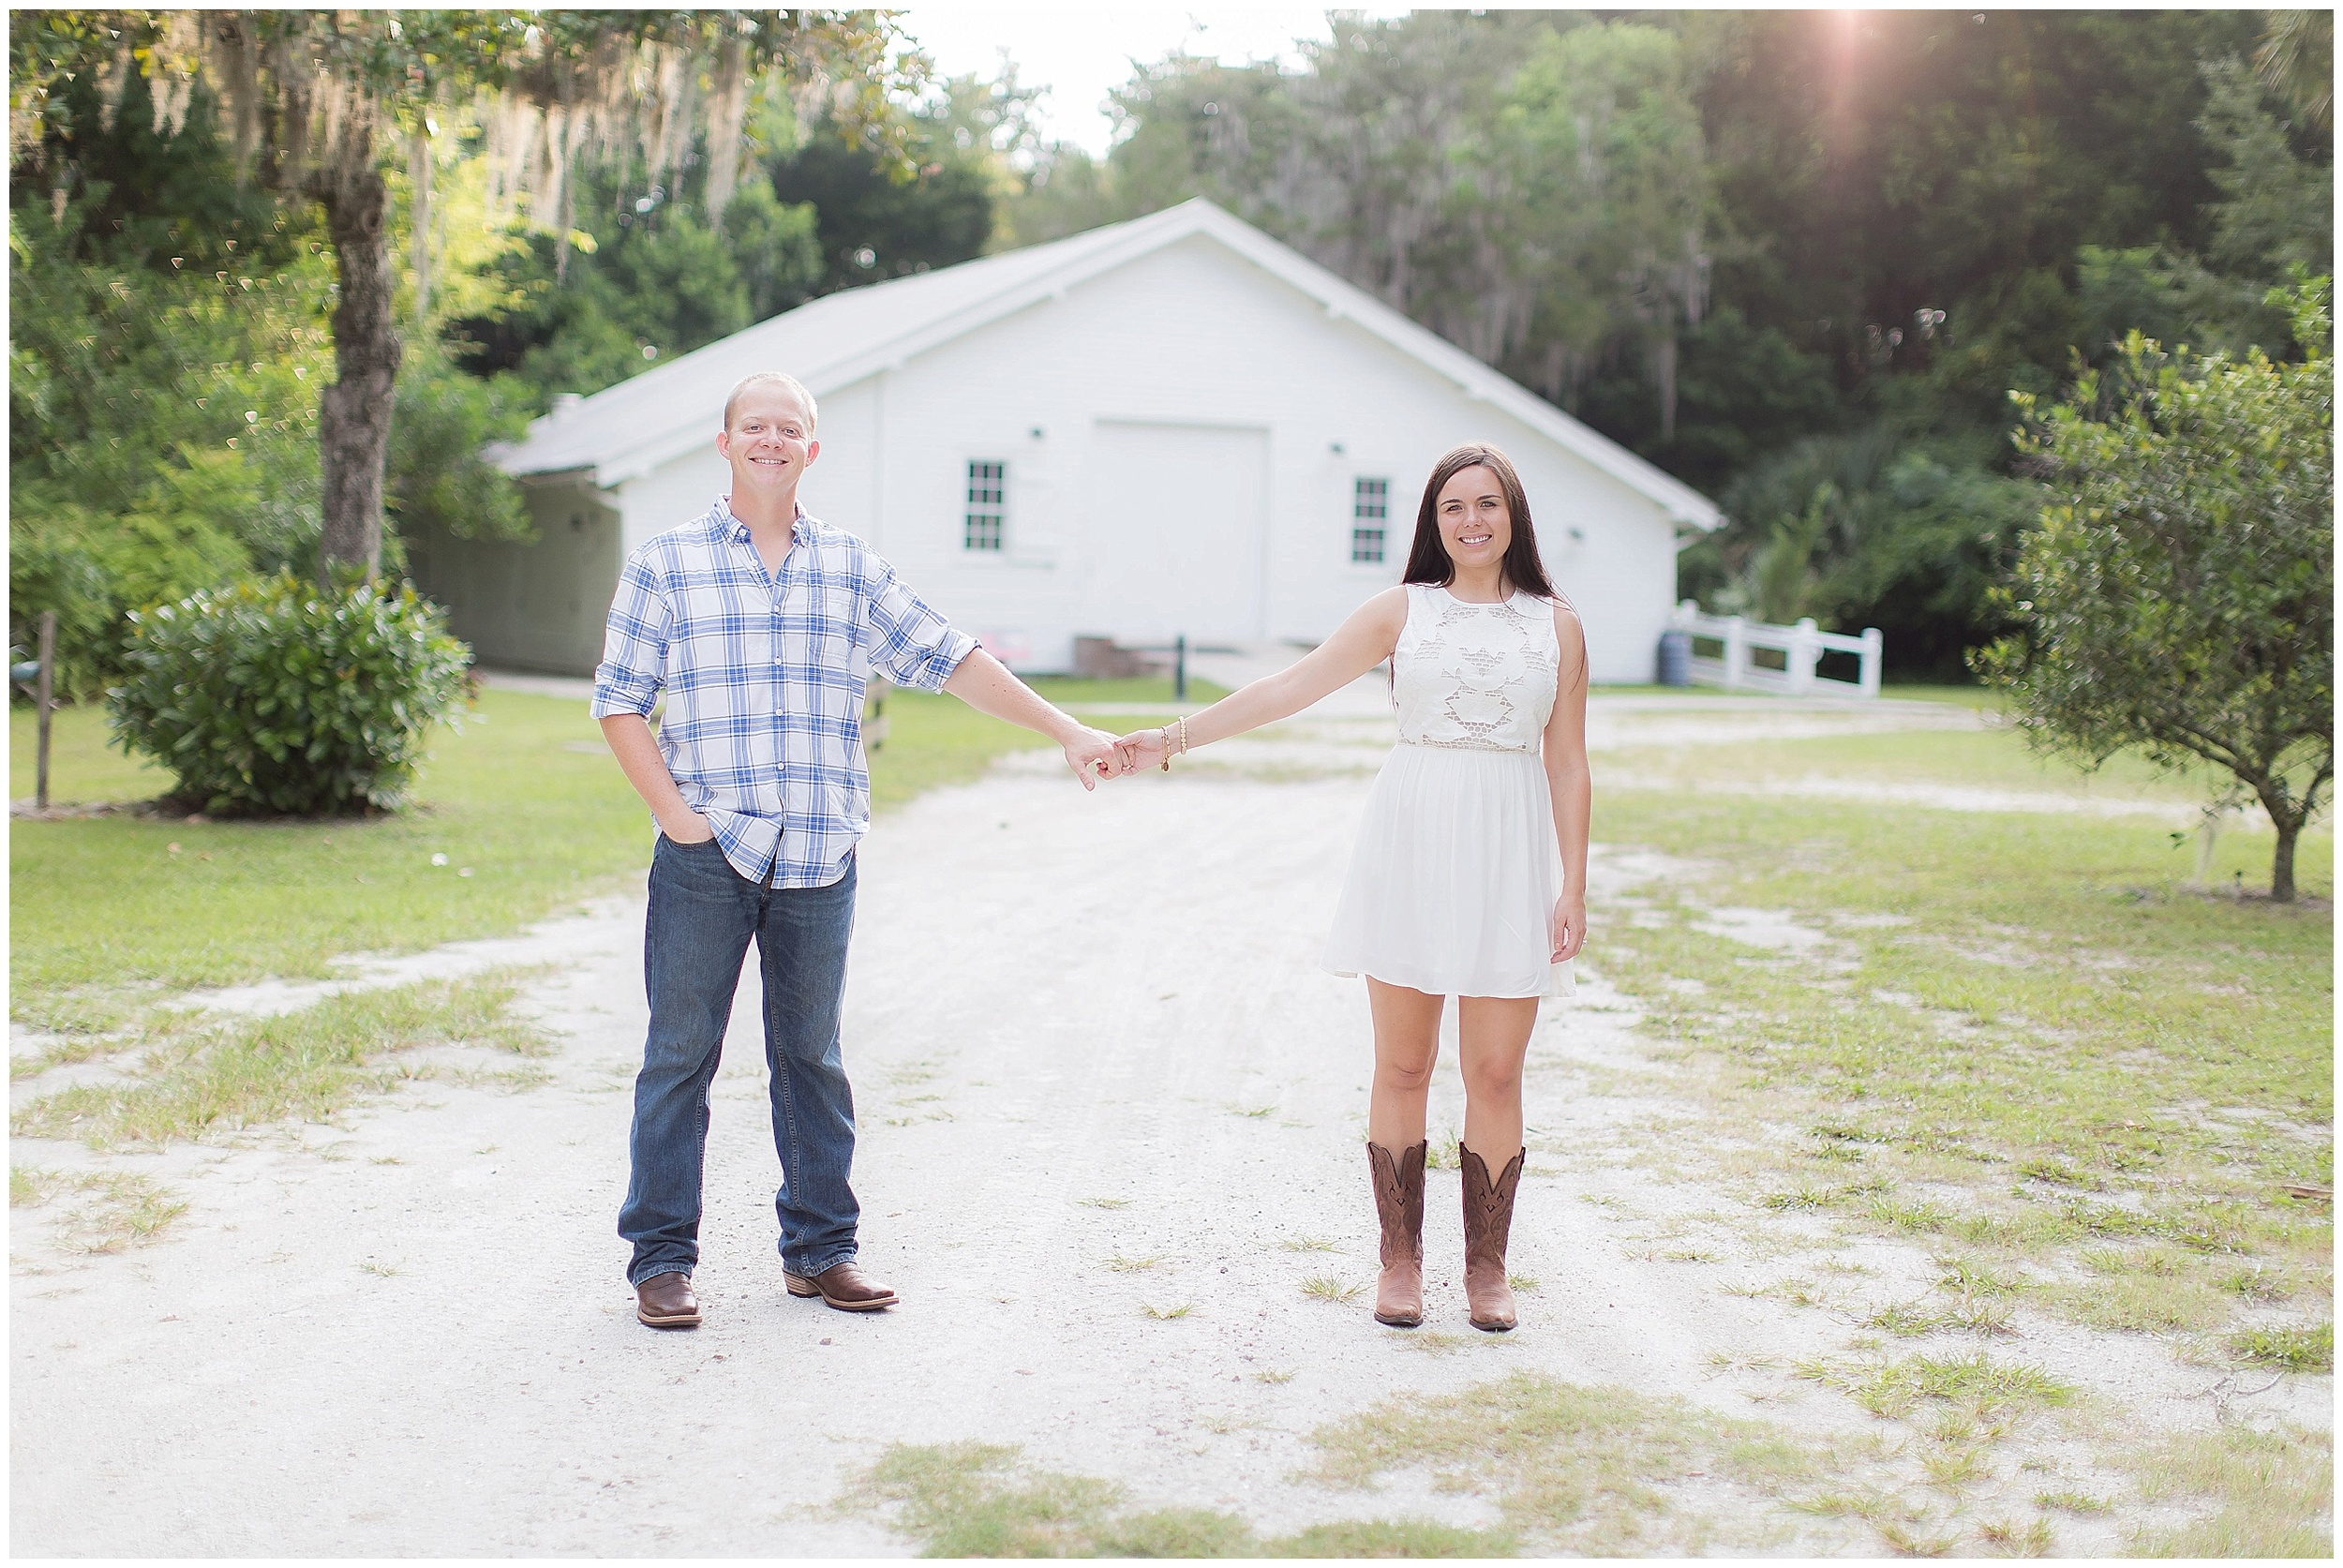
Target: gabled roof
x=627 y=430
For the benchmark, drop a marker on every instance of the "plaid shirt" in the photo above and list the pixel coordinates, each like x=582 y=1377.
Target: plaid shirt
x=763 y=675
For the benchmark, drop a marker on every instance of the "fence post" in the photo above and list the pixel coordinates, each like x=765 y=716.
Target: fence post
x=1736 y=649
x=42 y=689
x=1873 y=648
x=1803 y=654
x=1179 y=668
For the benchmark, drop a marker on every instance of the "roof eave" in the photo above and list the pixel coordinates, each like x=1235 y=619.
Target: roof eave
x=1341 y=299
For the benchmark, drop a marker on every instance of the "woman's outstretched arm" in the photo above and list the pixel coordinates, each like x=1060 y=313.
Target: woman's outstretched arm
x=1357 y=647
x=1569 y=781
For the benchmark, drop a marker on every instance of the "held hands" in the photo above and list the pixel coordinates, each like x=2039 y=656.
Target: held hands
x=1093 y=748
x=1570 y=926
x=1116 y=757
x=1142 y=749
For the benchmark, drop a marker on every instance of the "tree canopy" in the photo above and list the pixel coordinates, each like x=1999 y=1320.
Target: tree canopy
x=1799 y=259
x=312 y=104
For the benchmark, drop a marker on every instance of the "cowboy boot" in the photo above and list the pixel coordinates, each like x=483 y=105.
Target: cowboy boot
x=1488 y=1221
x=1400 y=1210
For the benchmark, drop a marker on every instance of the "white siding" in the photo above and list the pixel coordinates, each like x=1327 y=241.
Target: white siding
x=1196 y=336
x=1285 y=406
x=537 y=606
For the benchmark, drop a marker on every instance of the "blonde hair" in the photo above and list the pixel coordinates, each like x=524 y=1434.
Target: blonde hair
x=790 y=384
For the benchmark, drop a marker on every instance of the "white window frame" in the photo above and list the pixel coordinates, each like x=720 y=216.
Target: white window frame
x=1377 y=522
x=984 y=501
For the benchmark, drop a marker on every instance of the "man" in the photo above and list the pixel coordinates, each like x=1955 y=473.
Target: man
x=760 y=625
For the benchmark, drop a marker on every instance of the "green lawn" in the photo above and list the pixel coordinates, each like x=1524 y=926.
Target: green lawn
x=522 y=799
x=2022 y=1036
x=1994 y=758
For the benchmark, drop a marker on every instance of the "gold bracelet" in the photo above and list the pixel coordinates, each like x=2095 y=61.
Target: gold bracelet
x=1183 y=735
x=1165 y=730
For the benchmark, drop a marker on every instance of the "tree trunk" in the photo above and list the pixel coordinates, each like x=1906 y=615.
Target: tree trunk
x=419 y=220
x=2282 y=863
x=354 y=413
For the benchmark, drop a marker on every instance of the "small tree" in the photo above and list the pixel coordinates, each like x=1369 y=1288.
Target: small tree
x=2178 y=597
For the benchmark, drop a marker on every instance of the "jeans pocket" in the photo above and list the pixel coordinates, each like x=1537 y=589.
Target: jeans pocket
x=695 y=861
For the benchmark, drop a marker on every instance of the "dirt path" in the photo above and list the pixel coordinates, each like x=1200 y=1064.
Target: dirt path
x=1086 y=1032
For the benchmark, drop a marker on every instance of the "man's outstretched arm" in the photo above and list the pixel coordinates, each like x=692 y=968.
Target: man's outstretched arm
x=985 y=684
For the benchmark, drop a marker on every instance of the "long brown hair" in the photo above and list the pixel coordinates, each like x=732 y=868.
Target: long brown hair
x=1428 y=557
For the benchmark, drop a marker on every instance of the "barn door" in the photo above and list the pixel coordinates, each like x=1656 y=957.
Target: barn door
x=1176 y=530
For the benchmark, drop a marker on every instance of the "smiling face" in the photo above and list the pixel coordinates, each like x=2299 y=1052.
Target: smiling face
x=770 y=441
x=1475 y=525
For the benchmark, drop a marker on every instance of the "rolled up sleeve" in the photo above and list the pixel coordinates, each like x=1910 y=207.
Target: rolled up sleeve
x=911 y=643
x=633 y=664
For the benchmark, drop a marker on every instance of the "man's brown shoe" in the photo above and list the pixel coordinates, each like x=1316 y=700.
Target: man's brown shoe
x=842 y=1286
x=665 y=1301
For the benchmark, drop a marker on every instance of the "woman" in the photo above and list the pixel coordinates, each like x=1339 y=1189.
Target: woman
x=1453 y=889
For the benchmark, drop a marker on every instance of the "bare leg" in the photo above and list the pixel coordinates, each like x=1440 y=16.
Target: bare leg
x=1494 y=1034
x=1407 y=1043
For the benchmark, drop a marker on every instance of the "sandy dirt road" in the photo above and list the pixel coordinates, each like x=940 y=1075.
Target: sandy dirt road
x=1085 y=1031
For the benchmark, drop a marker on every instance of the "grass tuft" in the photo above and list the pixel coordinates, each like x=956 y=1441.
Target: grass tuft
x=309 y=1065
x=1325 y=1286
x=1972 y=1384
x=124 y=1208
x=1572 y=1469
x=1915 y=1543
x=2030 y=1539
x=2292 y=1350
x=2271 y=1492
x=976 y=1499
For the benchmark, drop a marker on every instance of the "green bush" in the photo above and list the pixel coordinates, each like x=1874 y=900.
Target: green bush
x=92 y=564
x=277 y=696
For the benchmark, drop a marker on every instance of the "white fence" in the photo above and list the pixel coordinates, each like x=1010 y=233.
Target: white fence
x=1801 y=648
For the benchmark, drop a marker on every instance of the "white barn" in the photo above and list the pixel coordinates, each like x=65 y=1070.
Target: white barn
x=1174 y=425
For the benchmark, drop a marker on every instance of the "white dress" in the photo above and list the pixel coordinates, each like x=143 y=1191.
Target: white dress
x=1453 y=884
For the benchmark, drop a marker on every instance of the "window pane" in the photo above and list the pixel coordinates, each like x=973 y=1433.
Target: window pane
x=1370 y=507
x=983 y=523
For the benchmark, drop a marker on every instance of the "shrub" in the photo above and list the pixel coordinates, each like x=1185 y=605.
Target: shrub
x=275 y=695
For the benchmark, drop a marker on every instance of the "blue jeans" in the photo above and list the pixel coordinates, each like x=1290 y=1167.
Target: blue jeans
x=702 y=915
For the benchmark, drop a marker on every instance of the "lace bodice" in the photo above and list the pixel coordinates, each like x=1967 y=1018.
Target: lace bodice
x=1477 y=677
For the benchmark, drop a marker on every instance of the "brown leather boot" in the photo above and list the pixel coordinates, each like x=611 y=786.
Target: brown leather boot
x=842 y=1286
x=665 y=1301
x=1400 y=1210
x=1489 y=1221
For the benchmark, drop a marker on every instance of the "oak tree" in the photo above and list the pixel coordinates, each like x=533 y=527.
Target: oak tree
x=319 y=102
